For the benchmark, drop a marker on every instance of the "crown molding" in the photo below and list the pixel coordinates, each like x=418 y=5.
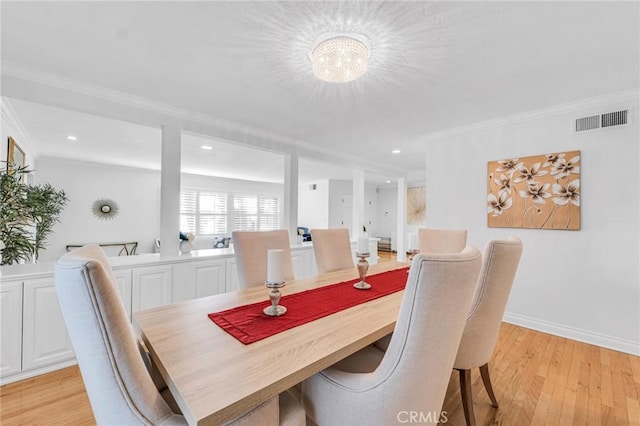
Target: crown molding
x=190 y=119
x=569 y=107
x=10 y=117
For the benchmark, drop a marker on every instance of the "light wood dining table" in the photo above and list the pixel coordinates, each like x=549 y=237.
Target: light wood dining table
x=214 y=377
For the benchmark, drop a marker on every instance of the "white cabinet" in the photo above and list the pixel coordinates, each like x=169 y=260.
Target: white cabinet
x=10 y=327
x=151 y=287
x=232 y=281
x=45 y=338
x=198 y=279
x=123 y=280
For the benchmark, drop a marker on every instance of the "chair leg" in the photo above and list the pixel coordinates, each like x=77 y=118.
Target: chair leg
x=467 y=401
x=484 y=372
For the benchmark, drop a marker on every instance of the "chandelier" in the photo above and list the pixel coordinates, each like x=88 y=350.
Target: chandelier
x=340 y=58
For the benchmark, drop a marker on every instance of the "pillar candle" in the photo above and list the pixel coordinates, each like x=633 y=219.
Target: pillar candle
x=363 y=245
x=274 y=265
x=413 y=242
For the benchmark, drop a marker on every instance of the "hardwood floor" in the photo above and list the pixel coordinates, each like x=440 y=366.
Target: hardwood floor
x=538 y=379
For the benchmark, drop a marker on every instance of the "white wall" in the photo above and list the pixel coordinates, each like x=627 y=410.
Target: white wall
x=387 y=214
x=136 y=191
x=581 y=284
x=313 y=205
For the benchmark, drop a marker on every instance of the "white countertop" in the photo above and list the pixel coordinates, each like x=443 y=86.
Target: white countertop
x=35 y=270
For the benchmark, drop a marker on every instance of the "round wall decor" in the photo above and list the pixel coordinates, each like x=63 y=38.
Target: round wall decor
x=105 y=209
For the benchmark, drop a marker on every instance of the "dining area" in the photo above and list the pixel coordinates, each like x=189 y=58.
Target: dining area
x=339 y=352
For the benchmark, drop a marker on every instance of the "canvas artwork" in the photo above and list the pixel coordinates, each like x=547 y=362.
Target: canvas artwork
x=538 y=192
x=416 y=206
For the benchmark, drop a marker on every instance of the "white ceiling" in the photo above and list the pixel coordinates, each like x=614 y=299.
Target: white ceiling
x=433 y=66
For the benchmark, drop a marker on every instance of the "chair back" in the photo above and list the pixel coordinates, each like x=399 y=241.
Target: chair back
x=117 y=381
x=499 y=266
x=250 y=248
x=414 y=372
x=332 y=249
x=442 y=240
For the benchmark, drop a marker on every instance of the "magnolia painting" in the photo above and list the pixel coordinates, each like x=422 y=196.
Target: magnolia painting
x=540 y=192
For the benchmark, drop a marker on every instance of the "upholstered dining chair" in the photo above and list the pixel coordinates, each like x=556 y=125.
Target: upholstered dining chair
x=122 y=386
x=373 y=387
x=434 y=241
x=332 y=249
x=251 y=248
x=500 y=261
x=441 y=240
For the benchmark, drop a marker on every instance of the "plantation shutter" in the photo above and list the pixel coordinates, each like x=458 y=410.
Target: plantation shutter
x=213 y=213
x=245 y=209
x=188 y=210
x=269 y=213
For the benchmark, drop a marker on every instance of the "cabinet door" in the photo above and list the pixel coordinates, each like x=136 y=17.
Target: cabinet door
x=123 y=280
x=198 y=279
x=45 y=338
x=151 y=287
x=232 y=281
x=10 y=328
x=210 y=277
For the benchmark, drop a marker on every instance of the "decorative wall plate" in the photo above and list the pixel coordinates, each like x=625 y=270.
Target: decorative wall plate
x=105 y=208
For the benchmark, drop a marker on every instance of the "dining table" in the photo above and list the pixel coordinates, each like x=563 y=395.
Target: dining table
x=214 y=377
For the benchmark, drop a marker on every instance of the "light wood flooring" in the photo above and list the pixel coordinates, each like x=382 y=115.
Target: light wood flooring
x=538 y=379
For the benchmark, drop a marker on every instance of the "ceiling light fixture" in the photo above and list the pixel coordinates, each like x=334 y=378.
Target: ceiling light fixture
x=338 y=58
x=396 y=151
x=206 y=147
x=72 y=138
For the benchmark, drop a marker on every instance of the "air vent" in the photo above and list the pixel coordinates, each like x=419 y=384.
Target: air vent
x=588 y=123
x=614 y=118
x=609 y=119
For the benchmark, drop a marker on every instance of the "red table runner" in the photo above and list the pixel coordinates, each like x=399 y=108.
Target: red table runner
x=249 y=324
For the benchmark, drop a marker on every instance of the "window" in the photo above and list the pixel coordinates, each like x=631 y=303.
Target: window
x=203 y=212
x=209 y=213
x=255 y=212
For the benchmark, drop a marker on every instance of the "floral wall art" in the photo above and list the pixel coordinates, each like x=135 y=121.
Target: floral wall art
x=538 y=192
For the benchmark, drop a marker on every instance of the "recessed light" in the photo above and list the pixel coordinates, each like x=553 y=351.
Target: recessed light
x=388 y=181
x=206 y=147
x=72 y=138
x=395 y=151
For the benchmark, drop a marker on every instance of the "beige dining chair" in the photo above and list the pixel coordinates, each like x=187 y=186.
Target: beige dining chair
x=251 y=247
x=332 y=249
x=441 y=240
x=373 y=387
x=499 y=266
x=434 y=241
x=122 y=385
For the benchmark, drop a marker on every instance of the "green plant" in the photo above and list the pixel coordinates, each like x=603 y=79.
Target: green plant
x=27 y=215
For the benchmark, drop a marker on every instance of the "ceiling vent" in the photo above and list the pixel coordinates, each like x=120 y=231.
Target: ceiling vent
x=609 y=119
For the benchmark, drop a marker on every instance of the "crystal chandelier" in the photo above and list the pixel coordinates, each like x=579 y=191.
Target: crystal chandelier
x=340 y=58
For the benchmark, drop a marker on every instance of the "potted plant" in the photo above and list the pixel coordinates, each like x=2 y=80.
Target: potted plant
x=27 y=215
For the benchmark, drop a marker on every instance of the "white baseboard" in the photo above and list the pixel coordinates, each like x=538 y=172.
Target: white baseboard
x=36 y=372
x=585 y=336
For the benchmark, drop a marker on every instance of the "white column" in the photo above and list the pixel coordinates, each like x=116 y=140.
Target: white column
x=290 y=202
x=358 y=204
x=402 y=219
x=170 y=190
